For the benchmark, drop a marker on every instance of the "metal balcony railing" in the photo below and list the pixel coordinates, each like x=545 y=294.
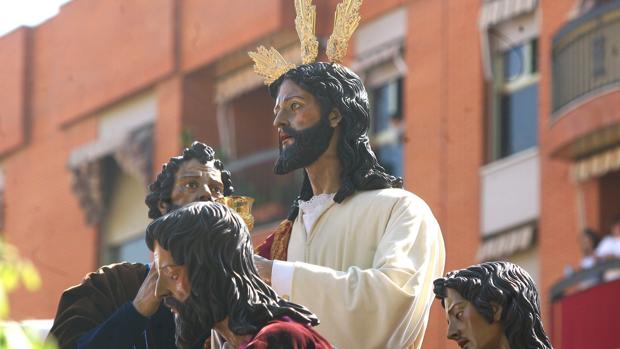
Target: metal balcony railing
x=586 y=56
x=595 y=273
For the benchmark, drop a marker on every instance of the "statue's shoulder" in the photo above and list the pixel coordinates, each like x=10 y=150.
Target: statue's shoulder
x=389 y=198
x=385 y=194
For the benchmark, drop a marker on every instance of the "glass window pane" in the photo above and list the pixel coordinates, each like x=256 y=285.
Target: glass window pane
x=387 y=122
x=386 y=104
x=513 y=63
x=519 y=120
x=134 y=251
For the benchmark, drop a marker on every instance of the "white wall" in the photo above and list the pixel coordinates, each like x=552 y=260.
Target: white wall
x=510 y=191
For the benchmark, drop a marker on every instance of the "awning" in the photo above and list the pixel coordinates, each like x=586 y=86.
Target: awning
x=497 y=11
x=494 y=12
x=505 y=244
x=596 y=165
x=384 y=53
x=245 y=79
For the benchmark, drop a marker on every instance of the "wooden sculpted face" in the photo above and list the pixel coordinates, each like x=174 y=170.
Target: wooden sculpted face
x=467 y=326
x=195 y=181
x=172 y=279
x=304 y=131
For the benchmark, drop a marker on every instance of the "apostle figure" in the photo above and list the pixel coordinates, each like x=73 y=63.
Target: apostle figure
x=206 y=275
x=492 y=305
x=116 y=306
x=357 y=250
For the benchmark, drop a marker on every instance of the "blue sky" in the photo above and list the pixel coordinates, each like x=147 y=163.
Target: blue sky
x=15 y=13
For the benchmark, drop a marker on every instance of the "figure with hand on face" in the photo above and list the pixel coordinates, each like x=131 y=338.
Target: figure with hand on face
x=116 y=306
x=204 y=260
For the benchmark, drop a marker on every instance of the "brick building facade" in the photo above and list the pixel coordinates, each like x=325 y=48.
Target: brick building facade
x=94 y=100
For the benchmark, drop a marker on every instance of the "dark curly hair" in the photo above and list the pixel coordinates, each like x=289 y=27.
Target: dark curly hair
x=335 y=86
x=161 y=189
x=215 y=245
x=507 y=285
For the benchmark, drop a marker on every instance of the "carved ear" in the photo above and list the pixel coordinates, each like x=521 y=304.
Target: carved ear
x=334 y=118
x=497 y=312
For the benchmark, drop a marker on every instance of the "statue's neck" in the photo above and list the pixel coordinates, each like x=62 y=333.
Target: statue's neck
x=324 y=173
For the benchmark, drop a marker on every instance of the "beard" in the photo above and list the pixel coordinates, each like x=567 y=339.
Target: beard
x=187 y=326
x=308 y=146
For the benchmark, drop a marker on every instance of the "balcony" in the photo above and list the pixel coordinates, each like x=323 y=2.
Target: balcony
x=253 y=176
x=510 y=192
x=586 y=57
x=585 y=308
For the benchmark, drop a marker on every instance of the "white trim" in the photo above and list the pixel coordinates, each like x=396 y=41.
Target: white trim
x=385 y=53
x=114 y=125
x=523 y=81
x=93 y=151
x=377 y=33
x=517 y=29
x=378 y=48
x=509 y=161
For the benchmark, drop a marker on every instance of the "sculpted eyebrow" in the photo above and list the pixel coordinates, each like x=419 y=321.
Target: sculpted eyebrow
x=454 y=305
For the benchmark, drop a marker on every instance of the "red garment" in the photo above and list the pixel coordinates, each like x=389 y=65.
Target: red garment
x=276 y=245
x=287 y=334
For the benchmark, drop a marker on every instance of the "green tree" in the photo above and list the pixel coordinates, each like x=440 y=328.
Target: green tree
x=13 y=271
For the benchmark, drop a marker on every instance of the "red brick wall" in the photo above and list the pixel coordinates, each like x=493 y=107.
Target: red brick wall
x=14 y=53
x=44 y=220
x=168 y=126
x=97 y=51
x=200 y=109
x=444 y=119
x=210 y=29
x=599 y=112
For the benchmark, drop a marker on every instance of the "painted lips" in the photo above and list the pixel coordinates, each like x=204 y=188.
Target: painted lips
x=462 y=342
x=284 y=137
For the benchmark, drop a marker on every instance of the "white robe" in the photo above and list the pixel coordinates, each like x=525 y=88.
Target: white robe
x=367 y=268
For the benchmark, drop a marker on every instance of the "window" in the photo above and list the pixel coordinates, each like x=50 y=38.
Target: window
x=125 y=217
x=131 y=250
x=387 y=129
x=515 y=116
x=379 y=45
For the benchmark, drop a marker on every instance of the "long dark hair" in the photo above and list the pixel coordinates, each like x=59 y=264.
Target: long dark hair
x=335 y=86
x=161 y=189
x=215 y=245
x=507 y=285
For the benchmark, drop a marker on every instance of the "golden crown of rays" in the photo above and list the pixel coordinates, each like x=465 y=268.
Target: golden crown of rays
x=269 y=63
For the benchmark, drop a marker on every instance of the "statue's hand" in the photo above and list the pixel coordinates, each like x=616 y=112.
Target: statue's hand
x=264 y=266
x=146 y=302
